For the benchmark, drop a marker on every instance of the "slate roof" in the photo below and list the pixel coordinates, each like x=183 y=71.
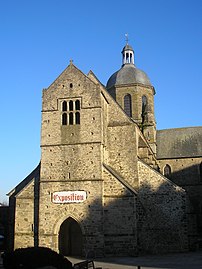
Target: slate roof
x=128 y=74
x=179 y=143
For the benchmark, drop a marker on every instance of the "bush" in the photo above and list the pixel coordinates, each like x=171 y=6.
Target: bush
x=34 y=257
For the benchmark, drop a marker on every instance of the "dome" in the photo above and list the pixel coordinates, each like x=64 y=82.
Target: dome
x=127 y=47
x=128 y=74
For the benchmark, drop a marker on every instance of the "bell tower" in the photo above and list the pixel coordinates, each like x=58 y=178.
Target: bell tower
x=132 y=90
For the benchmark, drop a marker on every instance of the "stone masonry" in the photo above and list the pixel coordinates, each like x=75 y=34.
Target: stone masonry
x=92 y=148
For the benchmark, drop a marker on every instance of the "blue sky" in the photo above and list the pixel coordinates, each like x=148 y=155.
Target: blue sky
x=39 y=37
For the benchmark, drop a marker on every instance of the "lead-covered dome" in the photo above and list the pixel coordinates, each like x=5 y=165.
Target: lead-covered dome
x=129 y=73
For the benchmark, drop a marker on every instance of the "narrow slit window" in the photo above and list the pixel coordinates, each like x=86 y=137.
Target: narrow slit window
x=64 y=106
x=127 y=58
x=77 y=117
x=127 y=105
x=71 y=118
x=64 y=119
x=144 y=108
x=77 y=105
x=71 y=105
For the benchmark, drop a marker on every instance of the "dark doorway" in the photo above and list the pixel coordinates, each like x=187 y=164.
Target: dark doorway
x=70 y=238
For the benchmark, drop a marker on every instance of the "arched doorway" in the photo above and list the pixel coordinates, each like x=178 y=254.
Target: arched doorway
x=70 y=238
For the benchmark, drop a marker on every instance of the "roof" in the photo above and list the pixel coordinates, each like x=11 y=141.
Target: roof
x=35 y=174
x=128 y=74
x=179 y=143
x=127 y=47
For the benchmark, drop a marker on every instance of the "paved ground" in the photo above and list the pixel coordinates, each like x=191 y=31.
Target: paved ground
x=191 y=260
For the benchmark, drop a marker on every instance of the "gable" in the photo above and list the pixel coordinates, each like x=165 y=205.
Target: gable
x=26 y=184
x=71 y=83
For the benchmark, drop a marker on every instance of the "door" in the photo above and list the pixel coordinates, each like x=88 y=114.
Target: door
x=70 y=238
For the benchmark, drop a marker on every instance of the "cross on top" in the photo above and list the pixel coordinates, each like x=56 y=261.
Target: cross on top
x=126 y=35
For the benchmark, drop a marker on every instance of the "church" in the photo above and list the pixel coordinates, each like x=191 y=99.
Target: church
x=108 y=182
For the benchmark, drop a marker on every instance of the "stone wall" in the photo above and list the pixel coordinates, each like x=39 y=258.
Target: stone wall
x=129 y=207
x=88 y=214
x=122 y=152
x=24 y=217
x=164 y=224
x=186 y=172
x=119 y=217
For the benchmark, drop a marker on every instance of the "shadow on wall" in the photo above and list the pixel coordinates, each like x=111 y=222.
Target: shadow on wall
x=187 y=176
x=190 y=178
x=4 y=211
x=164 y=226
x=154 y=221
x=34 y=176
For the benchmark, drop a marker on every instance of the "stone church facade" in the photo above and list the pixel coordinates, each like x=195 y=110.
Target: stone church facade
x=102 y=184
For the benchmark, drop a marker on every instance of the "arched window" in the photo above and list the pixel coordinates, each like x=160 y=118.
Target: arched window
x=71 y=105
x=64 y=119
x=128 y=105
x=167 y=170
x=144 y=105
x=71 y=118
x=70 y=112
x=77 y=105
x=77 y=117
x=64 y=106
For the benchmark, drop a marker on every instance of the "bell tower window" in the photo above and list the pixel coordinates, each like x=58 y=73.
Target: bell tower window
x=128 y=105
x=70 y=112
x=64 y=119
x=77 y=117
x=71 y=119
x=70 y=105
x=77 y=105
x=64 y=106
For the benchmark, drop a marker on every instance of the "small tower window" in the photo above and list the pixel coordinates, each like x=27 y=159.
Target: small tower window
x=71 y=118
x=64 y=106
x=77 y=105
x=167 y=171
x=64 y=119
x=77 y=117
x=71 y=105
x=128 y=105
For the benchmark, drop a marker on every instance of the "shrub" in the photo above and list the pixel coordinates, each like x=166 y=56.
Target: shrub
x=34 y=257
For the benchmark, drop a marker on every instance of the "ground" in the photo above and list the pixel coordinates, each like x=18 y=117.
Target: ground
x=191 y=260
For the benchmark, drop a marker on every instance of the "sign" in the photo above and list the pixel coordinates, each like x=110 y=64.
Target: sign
x=63 y=197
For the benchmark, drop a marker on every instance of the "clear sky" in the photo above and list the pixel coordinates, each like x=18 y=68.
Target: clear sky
x=39 y=37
